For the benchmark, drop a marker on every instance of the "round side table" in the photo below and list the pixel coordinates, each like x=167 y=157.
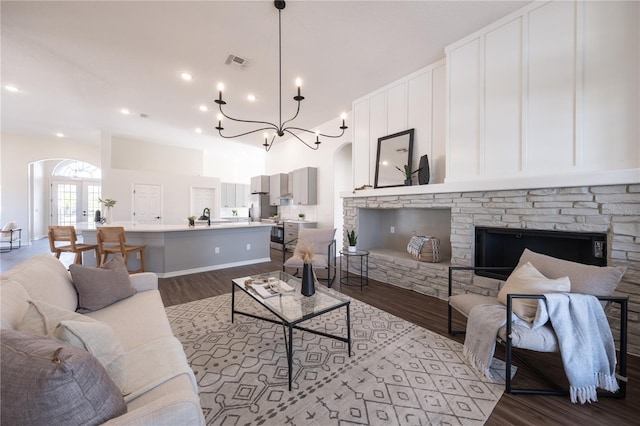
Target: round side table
x=349 y=278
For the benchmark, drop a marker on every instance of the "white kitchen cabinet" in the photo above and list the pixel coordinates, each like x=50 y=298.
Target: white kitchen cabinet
x=228 y=194
x=234 y=195
x=260 y=184
x=305 y=190
x=278 y=187
x=242 y=195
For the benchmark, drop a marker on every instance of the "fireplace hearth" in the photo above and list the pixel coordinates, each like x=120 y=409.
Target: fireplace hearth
x=503 y=247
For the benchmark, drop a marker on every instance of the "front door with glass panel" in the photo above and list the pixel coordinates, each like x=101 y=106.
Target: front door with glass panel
x=74 y=201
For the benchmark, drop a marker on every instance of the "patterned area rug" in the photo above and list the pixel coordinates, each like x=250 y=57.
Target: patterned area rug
x=398 y=373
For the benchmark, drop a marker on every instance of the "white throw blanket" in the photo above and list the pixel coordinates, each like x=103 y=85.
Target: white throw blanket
x=155 y=364
x=585 y=340
x=480 y=339
x=584 y=337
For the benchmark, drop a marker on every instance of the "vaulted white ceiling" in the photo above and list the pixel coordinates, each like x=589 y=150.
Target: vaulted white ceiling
x=78 y=63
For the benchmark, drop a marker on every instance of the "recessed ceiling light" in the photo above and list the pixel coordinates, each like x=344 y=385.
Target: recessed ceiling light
x=186 y=76
x=204 y=108
x=251 y=97
x=11 y=88
x=125 y=111
x=198 y=130
x=60 y=135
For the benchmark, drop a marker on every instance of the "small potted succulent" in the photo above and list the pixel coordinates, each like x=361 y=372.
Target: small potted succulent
x=192 y=220
x=408 y=174
x=353 y=239
x=301 y=216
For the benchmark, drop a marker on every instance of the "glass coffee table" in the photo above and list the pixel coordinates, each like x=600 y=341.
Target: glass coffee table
x=290 y=307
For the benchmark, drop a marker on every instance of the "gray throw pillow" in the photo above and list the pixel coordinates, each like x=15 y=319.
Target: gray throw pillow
x=585 y=279
x=80 y=331
x=100 y=287
x=46 y=382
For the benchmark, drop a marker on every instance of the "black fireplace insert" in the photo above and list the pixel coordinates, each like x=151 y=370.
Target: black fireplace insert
x=503 y=247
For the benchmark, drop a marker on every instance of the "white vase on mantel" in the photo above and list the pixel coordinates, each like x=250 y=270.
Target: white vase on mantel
x=352 y=249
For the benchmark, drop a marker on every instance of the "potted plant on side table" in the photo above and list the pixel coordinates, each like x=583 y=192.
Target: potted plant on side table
x=353 y=239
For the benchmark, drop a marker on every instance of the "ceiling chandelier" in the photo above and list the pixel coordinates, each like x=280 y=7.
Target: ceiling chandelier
x=282 y=128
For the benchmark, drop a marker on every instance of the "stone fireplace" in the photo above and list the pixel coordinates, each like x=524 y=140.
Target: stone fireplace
x=612 y=210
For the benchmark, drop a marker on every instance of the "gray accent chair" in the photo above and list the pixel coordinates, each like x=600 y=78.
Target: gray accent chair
x=324 y=243
x=586 y=279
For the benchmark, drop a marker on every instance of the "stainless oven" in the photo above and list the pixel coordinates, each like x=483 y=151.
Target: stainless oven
x=277 y=236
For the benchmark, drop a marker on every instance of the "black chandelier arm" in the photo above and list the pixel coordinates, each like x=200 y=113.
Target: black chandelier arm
x=317 y=145
x=246 y=133
x=313 y=133
x=273 y=126
x=267 y=147
x=282 y=125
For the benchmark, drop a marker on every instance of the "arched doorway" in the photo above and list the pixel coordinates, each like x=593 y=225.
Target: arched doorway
x=62 y=192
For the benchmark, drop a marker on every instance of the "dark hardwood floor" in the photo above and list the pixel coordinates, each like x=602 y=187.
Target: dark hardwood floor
x=431 y=313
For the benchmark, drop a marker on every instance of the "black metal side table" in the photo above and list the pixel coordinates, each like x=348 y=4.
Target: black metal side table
x=350 y=279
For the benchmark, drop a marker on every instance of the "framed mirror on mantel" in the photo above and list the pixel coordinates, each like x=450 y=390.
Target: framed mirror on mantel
x=393 y=151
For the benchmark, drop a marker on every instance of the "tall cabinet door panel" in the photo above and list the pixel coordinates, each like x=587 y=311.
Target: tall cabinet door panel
x=503 y=96
x=550 y=144
x=611 y=85
x=305 y=186
x=397 y=108
x=242 y=195
x=464 y=111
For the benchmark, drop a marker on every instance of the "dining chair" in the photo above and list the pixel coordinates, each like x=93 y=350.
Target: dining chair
x=112 y=240
x=67 y=234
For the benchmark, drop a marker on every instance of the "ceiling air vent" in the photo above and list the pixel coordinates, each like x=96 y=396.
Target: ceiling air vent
x=237 y=61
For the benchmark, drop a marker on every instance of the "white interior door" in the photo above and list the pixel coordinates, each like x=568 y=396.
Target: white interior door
x=147 y=203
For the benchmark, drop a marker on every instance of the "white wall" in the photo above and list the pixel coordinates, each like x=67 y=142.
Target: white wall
x=233 y=162
x=175 y=183
x=416 y=101
x=132 y=154
x=342 y=178
x=290 y=154
x=123 y=163
x=17 y=153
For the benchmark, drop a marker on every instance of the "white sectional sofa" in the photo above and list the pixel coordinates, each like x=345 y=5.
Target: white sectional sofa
x=160 y=386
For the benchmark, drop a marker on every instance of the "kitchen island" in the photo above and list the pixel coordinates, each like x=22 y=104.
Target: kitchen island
x=174 y=250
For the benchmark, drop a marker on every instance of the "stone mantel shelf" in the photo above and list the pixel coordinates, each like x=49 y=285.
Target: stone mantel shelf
x=595 y=178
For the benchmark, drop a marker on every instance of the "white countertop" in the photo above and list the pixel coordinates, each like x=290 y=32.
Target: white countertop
x=137 y=227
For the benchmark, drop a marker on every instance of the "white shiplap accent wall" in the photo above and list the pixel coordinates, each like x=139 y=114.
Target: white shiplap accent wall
x=416 y=101
x=551 y=88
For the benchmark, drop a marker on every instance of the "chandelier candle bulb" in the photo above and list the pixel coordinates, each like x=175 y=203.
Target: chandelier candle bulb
x=220 y=89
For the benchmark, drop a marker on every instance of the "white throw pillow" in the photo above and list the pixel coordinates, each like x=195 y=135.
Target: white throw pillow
x=9 y=226
x=528 y=280
x=80 y=331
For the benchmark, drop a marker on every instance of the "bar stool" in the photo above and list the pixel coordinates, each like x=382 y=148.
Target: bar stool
x=68 y=234
x=112 y=240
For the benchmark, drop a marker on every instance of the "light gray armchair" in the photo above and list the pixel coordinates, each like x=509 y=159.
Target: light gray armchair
x=324 y=243
x=586 y=279
x=10 y=235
